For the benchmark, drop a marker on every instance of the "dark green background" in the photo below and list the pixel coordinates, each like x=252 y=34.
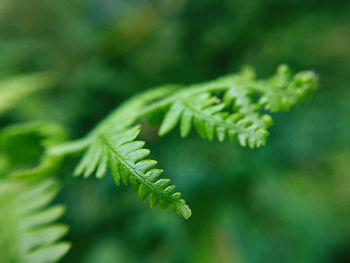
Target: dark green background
x=286 y=202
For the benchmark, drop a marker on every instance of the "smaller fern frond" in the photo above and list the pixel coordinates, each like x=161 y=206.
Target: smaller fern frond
x=209 y=117
x=126 y=159
x=284 y=90
x=28 y=232
x=233 y=106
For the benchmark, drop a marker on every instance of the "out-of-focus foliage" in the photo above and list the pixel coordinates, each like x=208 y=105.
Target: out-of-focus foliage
x=286 y=202
x=27 y=227
x=28 y=232
x=12 y=91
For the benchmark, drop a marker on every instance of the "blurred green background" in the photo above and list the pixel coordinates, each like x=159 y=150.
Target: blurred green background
x=286 y=202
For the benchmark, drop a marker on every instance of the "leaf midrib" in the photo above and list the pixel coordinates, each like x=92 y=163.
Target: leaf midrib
x=141 y=176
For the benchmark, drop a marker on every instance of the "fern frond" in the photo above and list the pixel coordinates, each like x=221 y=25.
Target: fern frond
x=283 y=90
x=28 y=232
x=209 y=118
x=226 y=107
x=126 y=160
x=234 y=106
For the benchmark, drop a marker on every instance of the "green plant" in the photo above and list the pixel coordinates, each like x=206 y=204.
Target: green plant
x=236 y=106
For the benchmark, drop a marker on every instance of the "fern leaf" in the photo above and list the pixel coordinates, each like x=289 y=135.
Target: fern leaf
x=283 y=90
x=126 y=159
x=28 y=232
x=171 y=118
x=235 y=107
x=207 y=114
x=227 y=107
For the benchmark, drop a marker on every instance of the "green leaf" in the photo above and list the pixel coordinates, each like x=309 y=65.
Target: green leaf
x=171 y=118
